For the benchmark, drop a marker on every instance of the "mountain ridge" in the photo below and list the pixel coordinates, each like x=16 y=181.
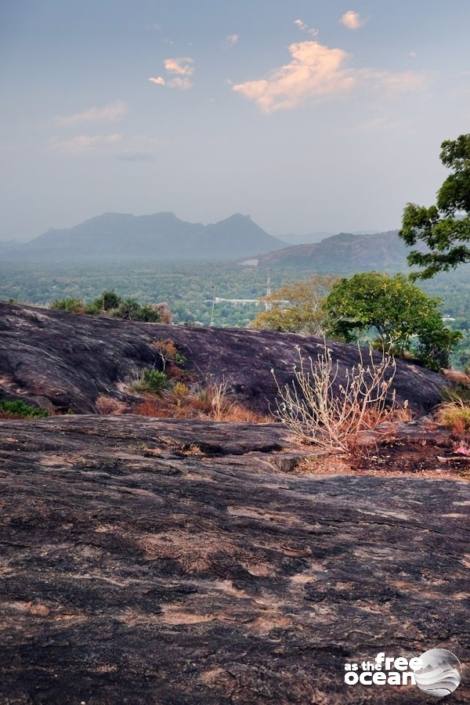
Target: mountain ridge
x=344 y=252
x=163 y=235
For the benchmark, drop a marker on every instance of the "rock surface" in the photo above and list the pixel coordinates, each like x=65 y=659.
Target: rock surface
x=63 y=362
x=150 y=562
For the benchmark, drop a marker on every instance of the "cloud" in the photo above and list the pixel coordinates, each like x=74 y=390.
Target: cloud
x=351 y=20
x=316 y=70
x=179 y=70
x=85 y=143
x=182 y=66
x=392 y=83
x=300 y=24
x=106 y=113
x=183 y=83
x=232 y=39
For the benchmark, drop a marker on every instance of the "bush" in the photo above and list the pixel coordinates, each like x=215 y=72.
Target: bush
x=19 y=408
x=456 y=416
x=108 y=406
x=70 y=305
x=153 y=381
x=168 y=352
x=112 y=304
x=321 y=411
x=131 y=310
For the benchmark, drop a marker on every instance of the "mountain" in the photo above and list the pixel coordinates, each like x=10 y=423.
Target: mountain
x=122 y=236
x=296 y=239
x=345 y=252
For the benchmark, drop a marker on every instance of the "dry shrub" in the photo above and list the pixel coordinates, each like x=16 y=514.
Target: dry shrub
x=321 y=410
x=456 y=416
x=164 y=311
x=168 y=352
x=147 y=407
x=457 y=377
x=237 y=413
x=108 y=406
x=206 y=402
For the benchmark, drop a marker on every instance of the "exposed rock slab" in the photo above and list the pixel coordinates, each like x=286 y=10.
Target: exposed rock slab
x=64 y=361
x=155 y=562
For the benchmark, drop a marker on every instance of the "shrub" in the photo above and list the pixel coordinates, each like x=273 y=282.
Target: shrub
x=109 y=300
x=112 y=304
x=180 y=390
x=320 y=410
x=456 y=416
x=131 y=310
x=153 y=381
x=108 y=406
x=70 y=305
x=168 y=352
x=19 y=408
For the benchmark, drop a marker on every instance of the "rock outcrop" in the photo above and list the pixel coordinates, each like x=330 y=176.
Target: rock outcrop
x=63 y=362
x=153 y=562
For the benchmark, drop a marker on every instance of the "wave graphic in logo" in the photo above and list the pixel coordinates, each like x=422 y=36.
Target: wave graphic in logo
x=438 y=672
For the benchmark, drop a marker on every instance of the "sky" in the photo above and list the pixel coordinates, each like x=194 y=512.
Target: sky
x=307 y=115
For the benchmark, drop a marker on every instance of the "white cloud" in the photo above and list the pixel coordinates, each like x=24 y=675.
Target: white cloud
x=318 y=71
x=314 y=70
x=300 y=24
x=351 y=20
x=232 y=39
x=85 y=143
x=106 y=113
x=179 y=70
x=182 y=66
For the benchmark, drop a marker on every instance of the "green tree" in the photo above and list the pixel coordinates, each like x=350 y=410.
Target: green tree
x=404 y=320
x=444 y=228
x=109 y=300
x=297 y=307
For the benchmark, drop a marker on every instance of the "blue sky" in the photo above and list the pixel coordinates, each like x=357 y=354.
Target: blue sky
x=309 y=116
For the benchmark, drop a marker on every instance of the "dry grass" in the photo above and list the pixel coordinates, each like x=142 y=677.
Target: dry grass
x=457 y=377
x=201 y=402
x=324 y=411
x=456 y=416
x=108 y=406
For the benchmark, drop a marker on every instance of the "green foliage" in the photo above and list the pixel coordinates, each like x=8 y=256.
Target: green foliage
x=18 y=407
x=405 y=320
x=113 y=305
x=70 y=305
x=445 y=227
x=297 y=307
x=109 y=300
x=189 y=287
x=153 y=381
x=131 y=310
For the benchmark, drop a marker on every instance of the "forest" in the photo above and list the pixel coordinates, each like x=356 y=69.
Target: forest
x=190 y=289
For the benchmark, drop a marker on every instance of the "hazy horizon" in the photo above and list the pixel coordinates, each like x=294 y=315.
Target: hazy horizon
x=308 y=116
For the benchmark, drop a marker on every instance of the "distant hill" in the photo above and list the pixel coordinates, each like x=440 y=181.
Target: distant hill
x=161 y=236
x=340 y=253
x=299 y=239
